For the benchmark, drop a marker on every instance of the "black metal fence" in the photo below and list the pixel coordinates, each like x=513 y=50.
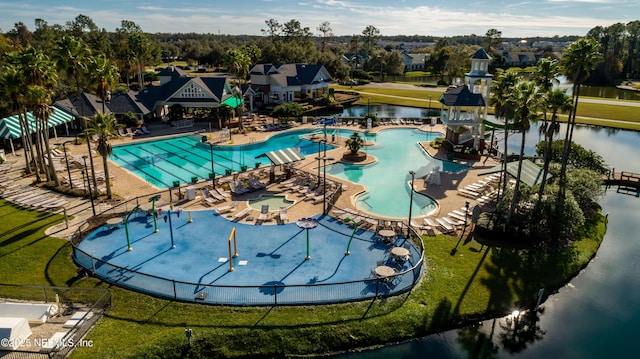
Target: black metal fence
x=276 y=294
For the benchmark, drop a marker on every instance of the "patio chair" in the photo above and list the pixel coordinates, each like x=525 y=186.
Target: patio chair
x=242 y=213
x=284 y=215
x=264 y=213
x=226 y=208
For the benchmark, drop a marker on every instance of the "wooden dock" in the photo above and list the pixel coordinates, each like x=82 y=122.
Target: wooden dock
x=627 y=182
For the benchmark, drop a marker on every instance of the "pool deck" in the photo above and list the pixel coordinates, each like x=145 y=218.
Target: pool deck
x=126 y=185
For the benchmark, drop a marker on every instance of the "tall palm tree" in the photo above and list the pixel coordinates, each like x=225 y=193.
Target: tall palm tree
x=14 y=90
x=238 y=62
x=501 y=91
x=525 y=100
x=580 y=58
x=104 y=74
x=103 y=126
x=41 y=78
x=42 y=112
x=556 y=101
x=546 y=76
x=72 y=57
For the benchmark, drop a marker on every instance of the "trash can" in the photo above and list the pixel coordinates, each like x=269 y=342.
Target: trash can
x=191 y=193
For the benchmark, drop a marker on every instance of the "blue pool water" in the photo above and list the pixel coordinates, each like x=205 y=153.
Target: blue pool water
x=161 y=162
x=387 y=180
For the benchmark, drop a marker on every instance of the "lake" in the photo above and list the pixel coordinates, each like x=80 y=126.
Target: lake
x=594 y=316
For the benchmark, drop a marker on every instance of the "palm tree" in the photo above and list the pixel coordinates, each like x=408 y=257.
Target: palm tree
x=546 y=76
x=525 y=101
x=238 y=62
x=104 y=74
x=580 y=58
x=41 y=78
x=501 y=90
x=14 y=90
x=103 y=126
x=72 y=57
x=42 y=111
x=556 y=101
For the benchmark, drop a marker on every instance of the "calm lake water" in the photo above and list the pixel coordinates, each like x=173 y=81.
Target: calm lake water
x=594 y=316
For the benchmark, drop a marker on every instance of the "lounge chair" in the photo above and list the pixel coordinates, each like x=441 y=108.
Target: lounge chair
x=444 y=225
x=284 y=215
x=226 y=208
x=122 y=133
x=242 y=213
x=54 y=205
x=222 y=192
x=129 y=132
x=264 y=213
x=207 y=198
x=456 y=216
x=144 y=129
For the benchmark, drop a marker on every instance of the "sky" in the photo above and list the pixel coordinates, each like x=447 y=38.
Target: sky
x=346 y=17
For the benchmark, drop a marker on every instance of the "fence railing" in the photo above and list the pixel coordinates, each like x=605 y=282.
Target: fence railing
x=273 y=294
x=92 y=300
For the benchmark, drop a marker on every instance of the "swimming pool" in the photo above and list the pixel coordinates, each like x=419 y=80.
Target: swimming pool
x=397 y=152
x=161 y=162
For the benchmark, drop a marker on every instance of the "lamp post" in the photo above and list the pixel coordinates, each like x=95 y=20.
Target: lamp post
x=93 y=171
x=93 y=208
x=213 y=174
x=66 y=161
x=413 y=174
x=324 y=184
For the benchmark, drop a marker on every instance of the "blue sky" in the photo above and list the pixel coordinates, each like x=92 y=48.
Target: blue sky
x=346 y=17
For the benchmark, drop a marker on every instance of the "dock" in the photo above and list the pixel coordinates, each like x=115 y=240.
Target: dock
x=627 y=182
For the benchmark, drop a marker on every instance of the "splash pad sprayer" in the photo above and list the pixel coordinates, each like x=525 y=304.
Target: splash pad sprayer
x=126 y=226
x=355 y=228
x=153 y=212
x=232 y=237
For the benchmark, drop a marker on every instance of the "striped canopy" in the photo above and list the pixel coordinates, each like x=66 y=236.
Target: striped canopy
x=283 y=156
x=10 y=126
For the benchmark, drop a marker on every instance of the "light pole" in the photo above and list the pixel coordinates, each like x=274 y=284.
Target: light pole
x=324 y=184
x=213 y=174
x=93 y=208
x=93 y=171
x=66 y=161
x=413 y=174
x=381 y=76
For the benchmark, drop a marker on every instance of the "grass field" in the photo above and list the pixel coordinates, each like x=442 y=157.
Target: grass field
x=462 y=280
x=607 y=115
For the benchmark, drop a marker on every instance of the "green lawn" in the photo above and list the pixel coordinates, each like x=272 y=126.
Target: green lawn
x=619 y=116
x=462 y=280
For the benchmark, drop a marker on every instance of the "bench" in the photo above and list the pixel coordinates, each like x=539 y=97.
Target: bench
x=34 y=313
x=78 y=318
x=54 y=342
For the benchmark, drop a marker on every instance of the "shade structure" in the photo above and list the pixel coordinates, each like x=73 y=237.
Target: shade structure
x=10 y=126
x=232 y=102
x=531 y=173
x=283 y=156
